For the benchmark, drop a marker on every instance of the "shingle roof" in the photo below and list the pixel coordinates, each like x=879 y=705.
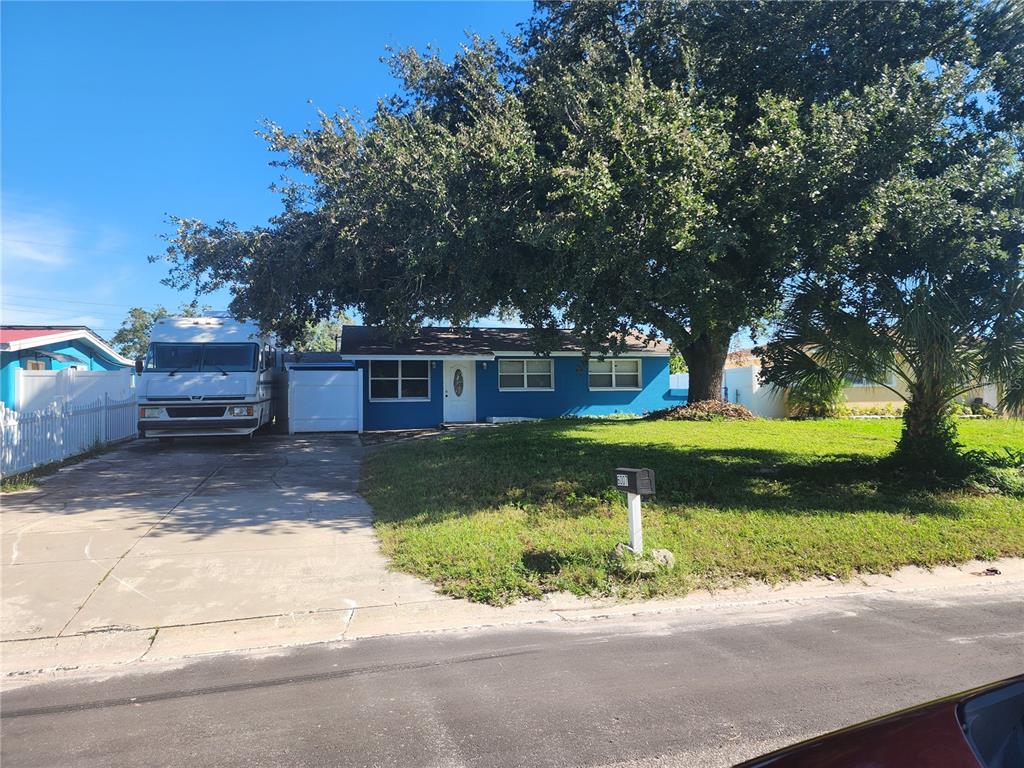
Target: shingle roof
x=471 y=342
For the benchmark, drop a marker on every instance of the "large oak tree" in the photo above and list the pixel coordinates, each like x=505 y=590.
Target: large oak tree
x=662 y=166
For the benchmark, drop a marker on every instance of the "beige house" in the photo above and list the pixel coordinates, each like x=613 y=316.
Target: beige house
x=742 y=373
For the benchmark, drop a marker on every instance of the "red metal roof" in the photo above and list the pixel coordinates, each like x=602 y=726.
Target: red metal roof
x=9 y=333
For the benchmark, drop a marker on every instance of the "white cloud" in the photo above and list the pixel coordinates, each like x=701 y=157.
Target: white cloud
x=56 y=273
x=37 y=238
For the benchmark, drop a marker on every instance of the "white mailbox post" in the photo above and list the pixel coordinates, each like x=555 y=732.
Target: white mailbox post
x=636 y=483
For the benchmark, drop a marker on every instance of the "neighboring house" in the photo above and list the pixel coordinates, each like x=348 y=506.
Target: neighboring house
x=740 y=358
x=870 y=395
x=493 y=374
x=743 y=368
x=50 y=348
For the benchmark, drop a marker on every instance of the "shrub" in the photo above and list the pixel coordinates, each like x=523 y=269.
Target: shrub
x=885 y=410
x=960 y=409
x=1000 y=472
x=979 y=407
x=976 y=407
x=704 y=410
x=815 y=399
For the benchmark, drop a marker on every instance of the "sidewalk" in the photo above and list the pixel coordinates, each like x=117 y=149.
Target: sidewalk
x=114 y=651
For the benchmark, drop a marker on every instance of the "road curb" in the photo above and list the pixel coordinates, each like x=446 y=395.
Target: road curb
x=27 y=661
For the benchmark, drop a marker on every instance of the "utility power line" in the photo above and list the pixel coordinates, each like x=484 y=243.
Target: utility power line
x=63 y=300
x=40 y=308
x=68 y=246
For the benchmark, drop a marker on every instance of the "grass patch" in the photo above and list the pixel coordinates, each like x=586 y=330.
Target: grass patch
x=502 y=513
x=27 y=481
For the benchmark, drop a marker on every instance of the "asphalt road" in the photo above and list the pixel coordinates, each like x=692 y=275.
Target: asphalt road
x=706 y=689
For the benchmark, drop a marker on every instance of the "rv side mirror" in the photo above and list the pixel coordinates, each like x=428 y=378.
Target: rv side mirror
x=138 y=365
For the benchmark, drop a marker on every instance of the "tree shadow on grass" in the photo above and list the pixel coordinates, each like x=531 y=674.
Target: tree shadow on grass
x=565 y=469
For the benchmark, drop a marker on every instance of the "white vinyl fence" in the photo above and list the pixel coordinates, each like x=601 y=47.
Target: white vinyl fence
x=37 y=390
x=679 y=381
x=743 y=386
x=63 y=430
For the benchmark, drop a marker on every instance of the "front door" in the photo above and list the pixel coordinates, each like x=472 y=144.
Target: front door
x=459 y=390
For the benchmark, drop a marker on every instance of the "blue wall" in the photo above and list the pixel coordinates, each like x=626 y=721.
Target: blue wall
x=411 y=414
x=90 y=359
x=570 y=397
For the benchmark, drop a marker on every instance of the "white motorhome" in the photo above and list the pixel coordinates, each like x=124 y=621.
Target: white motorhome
x=205 y=376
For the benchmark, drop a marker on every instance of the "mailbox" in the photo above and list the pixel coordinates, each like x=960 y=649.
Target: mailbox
x=638 y=481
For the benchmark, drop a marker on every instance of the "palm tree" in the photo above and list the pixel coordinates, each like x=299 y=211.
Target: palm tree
x=929 y=339
x=924 y=293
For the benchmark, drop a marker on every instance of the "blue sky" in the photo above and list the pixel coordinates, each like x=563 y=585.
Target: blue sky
x=117 y=114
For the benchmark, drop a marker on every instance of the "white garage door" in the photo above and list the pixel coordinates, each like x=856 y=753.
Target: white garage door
x=325 y=400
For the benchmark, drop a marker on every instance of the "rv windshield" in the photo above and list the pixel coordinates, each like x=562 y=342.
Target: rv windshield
x=229 y=357
x=221 y=358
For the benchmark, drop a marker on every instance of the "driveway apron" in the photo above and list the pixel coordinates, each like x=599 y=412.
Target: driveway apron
x=191 y=533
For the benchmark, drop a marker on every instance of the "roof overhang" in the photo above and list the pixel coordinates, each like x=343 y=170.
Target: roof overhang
x=496 y=355
x=72 y=335
x=624 y=353
x=419 y=356
x=480 y=343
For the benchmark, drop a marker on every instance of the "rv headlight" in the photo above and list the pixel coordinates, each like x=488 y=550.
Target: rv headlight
x=241 y=410
x=150 y=413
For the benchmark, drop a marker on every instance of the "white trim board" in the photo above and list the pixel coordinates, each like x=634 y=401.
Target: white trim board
x=496 y=355
x=593 y=356
x=413 y=356
x=56 y=338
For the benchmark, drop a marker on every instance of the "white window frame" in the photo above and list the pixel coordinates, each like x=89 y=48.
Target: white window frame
x=525 y=374
x=399 y=398
x=890 y=381
x=639 y=373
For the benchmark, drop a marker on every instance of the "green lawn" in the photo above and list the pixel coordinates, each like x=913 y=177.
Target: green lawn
x=522 y=509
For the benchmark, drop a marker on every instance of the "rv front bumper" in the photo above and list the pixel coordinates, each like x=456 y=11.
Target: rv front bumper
x=197 y=426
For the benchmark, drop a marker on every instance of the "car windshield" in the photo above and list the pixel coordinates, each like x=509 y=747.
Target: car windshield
x=994 y=725
x=201 y=357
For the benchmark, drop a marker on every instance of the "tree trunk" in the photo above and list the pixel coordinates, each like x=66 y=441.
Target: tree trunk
x=928 y=441
x=705 y=358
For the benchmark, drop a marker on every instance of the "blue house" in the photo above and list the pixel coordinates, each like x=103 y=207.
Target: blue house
x=51 y=347
x=449 y=375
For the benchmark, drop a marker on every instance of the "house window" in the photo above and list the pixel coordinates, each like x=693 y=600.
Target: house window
x=525 y=374
x=614 y=374
x=35 y=365
x=890 y=380
x=399 y=380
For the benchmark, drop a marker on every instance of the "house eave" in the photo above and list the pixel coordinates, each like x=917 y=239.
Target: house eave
x=57 y=338
x=417 y=355
x=561 y=353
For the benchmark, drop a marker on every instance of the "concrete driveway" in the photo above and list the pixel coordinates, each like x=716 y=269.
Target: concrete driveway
x=224 y=537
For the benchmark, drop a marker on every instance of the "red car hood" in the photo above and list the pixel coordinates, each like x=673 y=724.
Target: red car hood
x=927 y=736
